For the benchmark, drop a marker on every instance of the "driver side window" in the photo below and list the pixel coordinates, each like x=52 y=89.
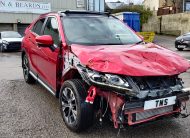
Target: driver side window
x=51 y=28
x=38 y=26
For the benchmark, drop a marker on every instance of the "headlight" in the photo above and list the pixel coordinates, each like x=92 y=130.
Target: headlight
x=5 y=42
x=108 y=79
x=95 y=76
x=116 y=80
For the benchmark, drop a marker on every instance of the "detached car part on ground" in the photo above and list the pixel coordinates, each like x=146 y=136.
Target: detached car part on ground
x=106 y=70
x=182 y=42
x=10 y=41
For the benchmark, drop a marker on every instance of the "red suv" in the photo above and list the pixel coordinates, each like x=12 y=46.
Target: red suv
x=99 y=67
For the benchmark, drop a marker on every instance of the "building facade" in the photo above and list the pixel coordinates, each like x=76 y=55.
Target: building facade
x=115 y=5
x=153 y=5
x=18 y=14
x=178 y=5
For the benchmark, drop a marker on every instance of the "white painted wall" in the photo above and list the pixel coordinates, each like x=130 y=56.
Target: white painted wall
x=151 y=4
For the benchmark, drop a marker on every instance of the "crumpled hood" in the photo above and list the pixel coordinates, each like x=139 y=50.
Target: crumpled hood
x=139 y=60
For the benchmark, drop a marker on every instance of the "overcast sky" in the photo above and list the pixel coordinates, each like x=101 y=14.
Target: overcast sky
x=126 y=1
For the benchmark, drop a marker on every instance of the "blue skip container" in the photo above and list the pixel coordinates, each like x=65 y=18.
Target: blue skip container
x=132 y=19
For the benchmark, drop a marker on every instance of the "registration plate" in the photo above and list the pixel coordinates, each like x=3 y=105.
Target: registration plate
x=157 y=103
x=181 y=46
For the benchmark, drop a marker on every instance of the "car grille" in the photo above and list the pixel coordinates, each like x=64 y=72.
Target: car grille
x=14 y=45
x=151 y=113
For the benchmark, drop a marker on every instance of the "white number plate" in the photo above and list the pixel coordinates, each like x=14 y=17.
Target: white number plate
x=152 y=104
x=181 y=46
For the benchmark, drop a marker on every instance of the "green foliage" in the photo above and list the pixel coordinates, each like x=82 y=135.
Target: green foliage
x=144 y=13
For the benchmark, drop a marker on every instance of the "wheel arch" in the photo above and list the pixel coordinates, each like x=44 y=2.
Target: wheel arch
x=71 y=74
x=22 y=56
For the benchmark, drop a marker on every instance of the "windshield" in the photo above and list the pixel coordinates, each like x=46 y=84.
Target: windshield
x=10 y=35
x=96 y=30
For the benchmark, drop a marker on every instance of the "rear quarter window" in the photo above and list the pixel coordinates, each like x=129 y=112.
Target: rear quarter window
x=38 y=26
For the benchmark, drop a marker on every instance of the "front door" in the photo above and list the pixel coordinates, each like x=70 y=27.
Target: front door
x=31 y=40
x=47 y=59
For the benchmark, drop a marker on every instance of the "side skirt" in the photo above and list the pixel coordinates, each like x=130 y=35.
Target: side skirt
x=42 y=83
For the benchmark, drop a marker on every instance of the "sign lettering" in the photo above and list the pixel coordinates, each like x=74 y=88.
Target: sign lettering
x=24 y=7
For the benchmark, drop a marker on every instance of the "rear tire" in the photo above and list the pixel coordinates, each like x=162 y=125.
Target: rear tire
x=26 y=69
x=76 y=113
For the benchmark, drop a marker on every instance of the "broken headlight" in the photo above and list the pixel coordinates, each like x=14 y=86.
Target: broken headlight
x=95 y=76
x=116 y=80
x=107 y=79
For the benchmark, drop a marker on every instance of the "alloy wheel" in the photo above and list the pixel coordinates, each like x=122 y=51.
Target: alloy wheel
x=69 y=106
x=25 y=68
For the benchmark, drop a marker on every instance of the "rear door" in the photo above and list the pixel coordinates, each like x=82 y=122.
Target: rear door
x=47 y=60
x=32 y=46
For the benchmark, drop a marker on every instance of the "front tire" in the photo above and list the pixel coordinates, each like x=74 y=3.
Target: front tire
x=1 y=49
x=179 y=49
x=26 y=69
x=76 y=113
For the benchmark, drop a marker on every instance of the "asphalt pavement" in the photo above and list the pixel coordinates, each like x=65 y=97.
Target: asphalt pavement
x=29 y=111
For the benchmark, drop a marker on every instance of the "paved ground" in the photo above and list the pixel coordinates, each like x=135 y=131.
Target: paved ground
x=30 y=111
x=168 y=42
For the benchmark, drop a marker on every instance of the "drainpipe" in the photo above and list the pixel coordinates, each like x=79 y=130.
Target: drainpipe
x=87 y=5
x=183 y=5
x=160 y=24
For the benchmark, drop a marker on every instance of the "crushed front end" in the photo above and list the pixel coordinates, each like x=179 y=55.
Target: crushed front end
x=134 y=100
x=136 y=84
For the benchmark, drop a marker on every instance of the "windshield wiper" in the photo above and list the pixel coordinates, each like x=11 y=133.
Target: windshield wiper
x=139 y=42
x=112 y=44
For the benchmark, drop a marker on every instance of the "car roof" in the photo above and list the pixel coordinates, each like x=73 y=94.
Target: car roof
x=8 y=31
x=83 y=12
x=76 y=12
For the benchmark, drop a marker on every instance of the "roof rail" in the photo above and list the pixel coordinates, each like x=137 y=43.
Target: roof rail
x=83 y=12
x=47 y=13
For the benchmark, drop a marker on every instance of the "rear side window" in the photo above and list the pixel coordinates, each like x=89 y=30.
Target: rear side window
x=38 y=26
x=51 y=28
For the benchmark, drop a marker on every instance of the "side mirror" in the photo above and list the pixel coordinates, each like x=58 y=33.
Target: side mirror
x=44 y=41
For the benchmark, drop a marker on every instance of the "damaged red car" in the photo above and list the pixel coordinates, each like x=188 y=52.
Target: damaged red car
x=97 y=67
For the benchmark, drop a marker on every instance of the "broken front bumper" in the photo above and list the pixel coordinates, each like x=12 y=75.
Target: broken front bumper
x=136 y=114
x=132 y=112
